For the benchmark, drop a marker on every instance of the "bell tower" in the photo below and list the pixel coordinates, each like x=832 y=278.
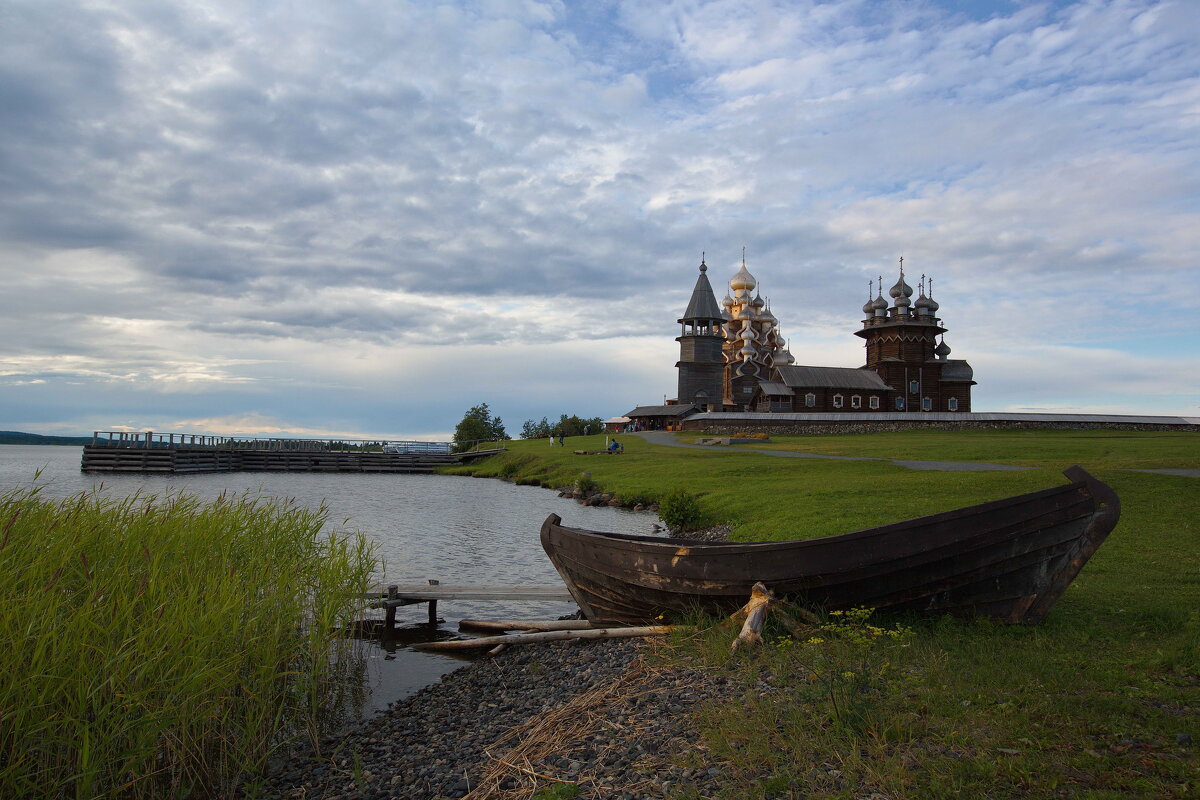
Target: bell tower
x=902 y=348
x=701 y=363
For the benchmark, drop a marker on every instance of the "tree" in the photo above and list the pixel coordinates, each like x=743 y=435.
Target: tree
x=478 y=425
x=567 y=426
x=535 y=430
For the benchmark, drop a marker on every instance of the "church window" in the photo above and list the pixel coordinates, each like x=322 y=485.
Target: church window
x=952 y=404
x=856 y=401
x=810 y=400
x=913 y=387
x=899 y=403
x=837 y=401
x=873 y=402
x=927 y=404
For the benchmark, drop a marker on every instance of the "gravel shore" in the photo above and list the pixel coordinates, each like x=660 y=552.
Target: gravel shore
x=590 y=713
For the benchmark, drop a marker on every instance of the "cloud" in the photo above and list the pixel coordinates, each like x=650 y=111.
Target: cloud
x=202 y=201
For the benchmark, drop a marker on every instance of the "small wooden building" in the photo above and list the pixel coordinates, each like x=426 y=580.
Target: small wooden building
x=795 y=388
x=660 y=418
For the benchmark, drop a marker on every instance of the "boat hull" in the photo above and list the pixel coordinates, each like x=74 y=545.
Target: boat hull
x=1009 y=559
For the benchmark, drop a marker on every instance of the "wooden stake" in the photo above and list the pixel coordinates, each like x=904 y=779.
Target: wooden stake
x=754 y=613
x=546 y=636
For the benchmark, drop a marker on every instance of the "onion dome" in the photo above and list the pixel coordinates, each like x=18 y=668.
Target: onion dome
x=869 y=307
x=758 y=301
x=933 y=304
x=728 y=301
x=922 y=304
x=743 y=279
x=879 y=305
x=942 y=350
x=900 y=293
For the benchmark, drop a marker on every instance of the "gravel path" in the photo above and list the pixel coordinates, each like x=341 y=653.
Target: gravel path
x=589 y=713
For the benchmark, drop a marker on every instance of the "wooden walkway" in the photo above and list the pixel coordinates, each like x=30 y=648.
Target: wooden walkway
x=392 y=596
x=172 y=453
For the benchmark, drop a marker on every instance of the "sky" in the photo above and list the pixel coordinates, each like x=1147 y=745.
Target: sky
x=361 y=218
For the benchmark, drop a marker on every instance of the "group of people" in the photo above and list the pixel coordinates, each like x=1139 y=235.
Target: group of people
x=587 y=429
x=613 y=447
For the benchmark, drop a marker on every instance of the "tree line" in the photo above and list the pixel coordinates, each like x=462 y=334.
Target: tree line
x=478 y=425
x=566 y=426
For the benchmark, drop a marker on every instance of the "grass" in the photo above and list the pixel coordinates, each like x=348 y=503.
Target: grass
x=1086 y=705
x=165 y=647
x=1098 y=449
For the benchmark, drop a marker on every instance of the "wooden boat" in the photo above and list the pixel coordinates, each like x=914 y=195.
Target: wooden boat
x=1010 y=559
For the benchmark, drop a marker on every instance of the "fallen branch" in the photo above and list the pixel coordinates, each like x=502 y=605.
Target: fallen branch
x=525 y=625
x=545 y=636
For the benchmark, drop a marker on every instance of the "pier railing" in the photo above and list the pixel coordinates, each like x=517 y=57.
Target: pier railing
x=152 y=439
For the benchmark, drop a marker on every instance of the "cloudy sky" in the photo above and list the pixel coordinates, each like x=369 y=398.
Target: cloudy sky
x=363 y=217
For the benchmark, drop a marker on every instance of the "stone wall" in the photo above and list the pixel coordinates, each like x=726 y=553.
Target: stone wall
x=840 y=427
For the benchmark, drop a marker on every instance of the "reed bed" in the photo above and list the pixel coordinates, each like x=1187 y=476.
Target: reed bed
x=167 y=646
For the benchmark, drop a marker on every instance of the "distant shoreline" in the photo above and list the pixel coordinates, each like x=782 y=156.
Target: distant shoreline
x=17 y=437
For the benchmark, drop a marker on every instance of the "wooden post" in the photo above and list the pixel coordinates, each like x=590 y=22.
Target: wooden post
x=389 y=620
x=433 y=617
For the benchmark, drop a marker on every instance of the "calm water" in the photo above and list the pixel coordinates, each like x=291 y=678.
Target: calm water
x=449 y=528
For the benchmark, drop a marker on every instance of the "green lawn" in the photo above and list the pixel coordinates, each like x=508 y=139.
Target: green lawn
x=1096 y=449
x=1089 y=704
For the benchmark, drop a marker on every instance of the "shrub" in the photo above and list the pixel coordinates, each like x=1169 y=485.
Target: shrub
x=681 y=511
x=586 y=483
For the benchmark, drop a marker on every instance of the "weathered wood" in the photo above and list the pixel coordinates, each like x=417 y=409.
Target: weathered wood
x=525 y=625
x=546 y=636
x=753 y=614
x=170 y=452
x=421 y=593
x=1009 y=559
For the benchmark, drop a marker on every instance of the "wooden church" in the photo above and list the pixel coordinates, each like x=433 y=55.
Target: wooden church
x=732 y=356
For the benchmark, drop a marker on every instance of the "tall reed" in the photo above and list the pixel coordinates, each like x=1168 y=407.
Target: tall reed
x=165 y=646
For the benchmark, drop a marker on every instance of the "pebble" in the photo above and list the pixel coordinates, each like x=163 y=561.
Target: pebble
x=431 y=745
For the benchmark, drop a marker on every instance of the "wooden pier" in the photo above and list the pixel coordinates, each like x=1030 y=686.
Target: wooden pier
x=394 y=595
x=170 y=453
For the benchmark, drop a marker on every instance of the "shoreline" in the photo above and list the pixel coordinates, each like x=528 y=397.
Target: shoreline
x=606 y=716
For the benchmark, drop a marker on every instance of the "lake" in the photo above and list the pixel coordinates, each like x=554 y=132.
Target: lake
x=448 y=528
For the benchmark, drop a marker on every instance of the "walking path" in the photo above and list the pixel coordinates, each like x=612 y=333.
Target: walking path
x=668 y=439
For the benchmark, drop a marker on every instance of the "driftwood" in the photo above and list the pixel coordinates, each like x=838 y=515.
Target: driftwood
x=545 y=636
x=754 y=613
x=525 y=625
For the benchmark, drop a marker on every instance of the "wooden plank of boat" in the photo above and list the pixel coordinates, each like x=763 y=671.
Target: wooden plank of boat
x=1009 y=559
